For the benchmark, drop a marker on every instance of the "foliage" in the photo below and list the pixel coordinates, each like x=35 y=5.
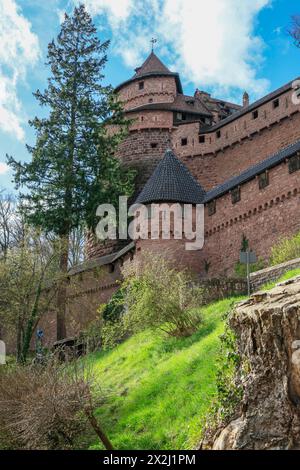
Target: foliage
x=245 y=243
x=46 y=407
x=25 y=275
x=285 y=250
x=153 y=295
x=73 y=168
x=92 y=336
x=160 y=296
x=240 y=269
x=114 y=308
x=114 y=329
x=12 y=227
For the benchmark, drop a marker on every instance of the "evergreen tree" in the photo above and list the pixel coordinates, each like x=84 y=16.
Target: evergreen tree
x=73 y=169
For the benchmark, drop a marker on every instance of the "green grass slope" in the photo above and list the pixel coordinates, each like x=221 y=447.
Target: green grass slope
x=158 y=389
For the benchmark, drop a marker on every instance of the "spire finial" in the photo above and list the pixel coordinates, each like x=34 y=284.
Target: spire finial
x=153 y=42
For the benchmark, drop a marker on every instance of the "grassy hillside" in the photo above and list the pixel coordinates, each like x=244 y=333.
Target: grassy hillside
x=158 y=389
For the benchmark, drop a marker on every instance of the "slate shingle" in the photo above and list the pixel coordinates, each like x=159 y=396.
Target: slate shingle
x=171 y=181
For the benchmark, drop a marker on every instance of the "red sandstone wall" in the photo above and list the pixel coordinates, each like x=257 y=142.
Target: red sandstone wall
x=264 y=216
x=243 y=143
x=152 y=120
x=159 y=89
x=137 y=151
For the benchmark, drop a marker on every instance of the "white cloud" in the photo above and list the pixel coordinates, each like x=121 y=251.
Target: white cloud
x=3 y=168
x=116 y=10
x=19 y=50
x=211 y=44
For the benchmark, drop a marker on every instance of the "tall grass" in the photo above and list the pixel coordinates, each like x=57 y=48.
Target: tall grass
x=285 y=250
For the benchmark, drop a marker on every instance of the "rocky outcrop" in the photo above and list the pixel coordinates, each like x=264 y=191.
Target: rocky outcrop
x=268 y=331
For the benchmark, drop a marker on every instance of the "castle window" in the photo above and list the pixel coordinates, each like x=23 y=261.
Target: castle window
x=181 y=116
x=111 y=268
x=201 y=139
x=184 y=141
x=218 y=134
x=294 y=163
x=276 y=103
x=236 y=195
x=255 y=114
x=150 y=100
x=141 y=85
x=263 y=180
x=211 y=207
x=154 y=145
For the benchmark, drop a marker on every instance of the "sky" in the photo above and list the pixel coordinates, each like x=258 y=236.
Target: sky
x=222 y=46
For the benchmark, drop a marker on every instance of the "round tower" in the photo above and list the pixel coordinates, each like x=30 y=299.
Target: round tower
x=148 y=99
x=170 y=215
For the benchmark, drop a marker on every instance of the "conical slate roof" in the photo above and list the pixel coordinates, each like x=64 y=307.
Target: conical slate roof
x=152 y=64
x=171 y=181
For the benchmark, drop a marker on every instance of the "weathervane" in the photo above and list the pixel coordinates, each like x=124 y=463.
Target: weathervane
x=153 y=41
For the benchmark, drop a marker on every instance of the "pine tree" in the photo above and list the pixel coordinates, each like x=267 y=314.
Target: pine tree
x=73 y=169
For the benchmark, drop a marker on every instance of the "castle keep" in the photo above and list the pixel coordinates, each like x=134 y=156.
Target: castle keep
x=245 y=160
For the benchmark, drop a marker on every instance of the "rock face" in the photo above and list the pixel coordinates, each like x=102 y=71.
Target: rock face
x=268 y=331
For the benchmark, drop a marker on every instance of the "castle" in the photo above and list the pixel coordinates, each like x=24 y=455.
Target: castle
x=245 y=160
x=241 y=162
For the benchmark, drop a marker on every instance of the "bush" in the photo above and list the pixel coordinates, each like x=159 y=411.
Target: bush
x=114 y=308
x=240 y=269
x=155 y=295
x=285 y=250
x=46 y=407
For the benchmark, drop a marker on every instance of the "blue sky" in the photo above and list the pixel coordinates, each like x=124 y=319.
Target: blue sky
x=223 y=46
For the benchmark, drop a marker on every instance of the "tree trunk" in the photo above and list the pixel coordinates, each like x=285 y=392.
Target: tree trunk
x=19 y=340
x=100 y=433
x=61 y=331
x=30 y=326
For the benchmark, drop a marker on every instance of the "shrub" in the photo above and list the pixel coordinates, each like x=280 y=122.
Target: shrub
x=159 y=296
x=114 y=308
x=91 y=336
x=285 y=250
x=46 y=407
x=240 y=269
